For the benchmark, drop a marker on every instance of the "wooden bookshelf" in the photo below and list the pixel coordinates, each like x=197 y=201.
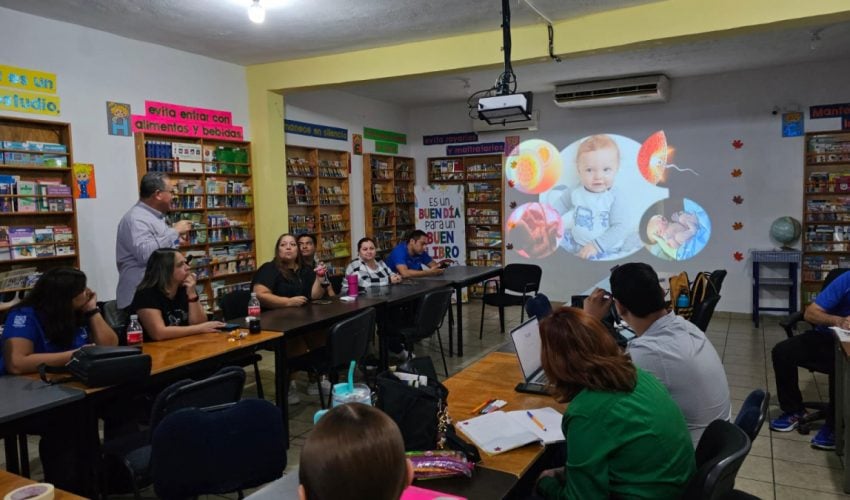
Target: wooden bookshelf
x=35 y=154
x=389 y=198
x=318 y=195
x=826 y=209
x=482 y=179
x=212 y=183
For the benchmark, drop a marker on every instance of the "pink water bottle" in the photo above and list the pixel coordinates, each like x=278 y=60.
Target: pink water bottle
x=352 y=285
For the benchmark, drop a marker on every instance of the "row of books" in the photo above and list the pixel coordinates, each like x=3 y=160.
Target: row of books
x=43 y=154
x=19 y=279
x=37 y=195
x=382 y=217
x=380 y=169
x=828 y=182
x=167 y=150
x=829 y=144
x=299 y=224
x=332 y=168
x=299 y=193
x=333 y=222
x=27 y=242
x=824 y=263
x=220 y=289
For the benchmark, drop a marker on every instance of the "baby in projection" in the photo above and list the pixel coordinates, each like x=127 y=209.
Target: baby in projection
x=681 y=236
x=594 y=222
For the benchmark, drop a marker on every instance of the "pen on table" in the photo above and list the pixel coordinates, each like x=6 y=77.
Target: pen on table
x=534 y=419
x=482 y=406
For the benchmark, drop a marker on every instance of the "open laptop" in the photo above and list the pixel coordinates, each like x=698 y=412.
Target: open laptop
x=526 y=339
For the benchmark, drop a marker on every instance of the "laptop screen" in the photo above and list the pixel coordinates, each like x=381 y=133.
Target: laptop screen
x=526 y=338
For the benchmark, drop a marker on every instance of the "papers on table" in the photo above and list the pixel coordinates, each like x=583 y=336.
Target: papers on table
x=843 y=335
x=498 y=432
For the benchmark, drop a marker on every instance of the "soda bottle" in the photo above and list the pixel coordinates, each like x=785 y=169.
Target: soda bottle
x=253 y=305
x=134 y=331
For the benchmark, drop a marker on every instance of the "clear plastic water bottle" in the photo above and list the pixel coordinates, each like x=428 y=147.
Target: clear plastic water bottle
x=134 y=331
x=253 y=305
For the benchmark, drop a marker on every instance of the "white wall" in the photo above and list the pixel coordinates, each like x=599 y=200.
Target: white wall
x=701 y=120
x=93 y=67
x=343 y=110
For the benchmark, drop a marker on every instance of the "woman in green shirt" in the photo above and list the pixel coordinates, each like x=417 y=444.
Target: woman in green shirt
x=626 y=438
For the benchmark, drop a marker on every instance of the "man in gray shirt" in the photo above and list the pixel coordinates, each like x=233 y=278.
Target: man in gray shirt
x=141 y=231
x=668 y=346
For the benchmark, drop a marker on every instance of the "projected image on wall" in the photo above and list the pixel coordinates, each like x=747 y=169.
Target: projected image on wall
x=676 y=229
x=598 y=199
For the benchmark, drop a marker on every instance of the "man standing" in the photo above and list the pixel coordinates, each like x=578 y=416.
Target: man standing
x=141 y=231
x=408 y=257
x=817 y=347
x=668 y=346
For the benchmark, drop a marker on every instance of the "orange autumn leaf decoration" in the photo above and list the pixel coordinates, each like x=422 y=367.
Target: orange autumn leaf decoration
x=737 y=226
x=737 y=172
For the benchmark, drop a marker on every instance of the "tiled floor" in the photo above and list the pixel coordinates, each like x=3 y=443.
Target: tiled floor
x=780 y=465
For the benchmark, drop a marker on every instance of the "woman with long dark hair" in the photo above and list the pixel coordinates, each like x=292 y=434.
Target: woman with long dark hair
x=284 y=281
x=166 y=300
x=57 y=317
x=626 y=436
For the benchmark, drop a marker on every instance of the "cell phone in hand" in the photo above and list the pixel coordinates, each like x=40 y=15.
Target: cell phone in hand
x=443 y=265
x=228 y=327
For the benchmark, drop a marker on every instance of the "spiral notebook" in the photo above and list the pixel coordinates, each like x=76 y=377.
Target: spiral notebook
x=499 y=431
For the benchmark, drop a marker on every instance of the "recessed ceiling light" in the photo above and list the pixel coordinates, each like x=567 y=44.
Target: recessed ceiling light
x=256 y=12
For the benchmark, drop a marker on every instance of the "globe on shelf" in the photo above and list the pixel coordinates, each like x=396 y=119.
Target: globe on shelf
x=786 y=230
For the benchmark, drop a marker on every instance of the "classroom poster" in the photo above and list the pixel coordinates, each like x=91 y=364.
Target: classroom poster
x=118 y=118
x=440 y=213
x=84 y=183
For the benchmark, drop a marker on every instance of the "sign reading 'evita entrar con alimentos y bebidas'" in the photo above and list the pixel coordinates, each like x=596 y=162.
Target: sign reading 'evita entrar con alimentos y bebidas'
x=28 y=91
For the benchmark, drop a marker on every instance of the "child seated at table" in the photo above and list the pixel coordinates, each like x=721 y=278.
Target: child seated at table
x=355 y=452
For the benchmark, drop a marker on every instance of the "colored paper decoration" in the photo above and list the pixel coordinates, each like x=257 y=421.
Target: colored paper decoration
x=738 y=256
x=737 y=226
x=737 y=144
x=738 y=199
x=737 y=172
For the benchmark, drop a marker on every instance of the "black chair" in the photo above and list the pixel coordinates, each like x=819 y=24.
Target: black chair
x=348 y=340
x=522 y=279
x=134 y=451
x=235 y=305
x=791 y=326
x=703 y=312
x=538 y=306
x=753 y=413
x=218 y=450
x=428 y=320
x=719 y=455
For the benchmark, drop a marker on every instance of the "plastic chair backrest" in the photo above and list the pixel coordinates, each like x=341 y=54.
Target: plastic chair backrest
x=719 y=455
x=521 y=278
x=218 y=450
x=753 y=413
x=235 y=304
x=432 y=310
x=703 y=312
x=349 y=339
x=224 y=386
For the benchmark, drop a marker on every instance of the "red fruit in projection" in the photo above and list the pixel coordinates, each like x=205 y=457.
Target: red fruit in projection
x=652 y=158
x=511 y=183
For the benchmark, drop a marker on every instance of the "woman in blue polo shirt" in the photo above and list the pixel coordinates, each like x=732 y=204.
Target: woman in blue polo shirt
x=59 y=316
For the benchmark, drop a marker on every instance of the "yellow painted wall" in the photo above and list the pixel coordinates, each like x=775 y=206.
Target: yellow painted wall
x=655 y=23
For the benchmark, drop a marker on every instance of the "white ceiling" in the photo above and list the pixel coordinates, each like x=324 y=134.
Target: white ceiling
x=297 y=28
x=220 y=29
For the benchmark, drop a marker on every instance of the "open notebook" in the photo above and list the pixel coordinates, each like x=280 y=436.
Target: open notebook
x=500 y=431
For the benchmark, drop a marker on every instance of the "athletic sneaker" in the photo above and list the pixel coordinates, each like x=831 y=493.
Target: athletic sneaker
x=313 y=390
x=293 y=398
x=824 y=439
x=787 y=421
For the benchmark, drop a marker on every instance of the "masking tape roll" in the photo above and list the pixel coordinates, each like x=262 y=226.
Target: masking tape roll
x=38 y=491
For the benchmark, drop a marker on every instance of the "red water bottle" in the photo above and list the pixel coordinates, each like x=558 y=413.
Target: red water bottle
x=134 y=331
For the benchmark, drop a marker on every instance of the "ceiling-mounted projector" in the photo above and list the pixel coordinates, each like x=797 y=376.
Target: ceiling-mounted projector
x=507 y=108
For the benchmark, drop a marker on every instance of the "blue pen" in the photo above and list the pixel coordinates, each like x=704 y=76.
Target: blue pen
x=534 y=419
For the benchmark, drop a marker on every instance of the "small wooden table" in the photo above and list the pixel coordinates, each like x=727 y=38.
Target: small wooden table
x=495 y=376
x=9 y=482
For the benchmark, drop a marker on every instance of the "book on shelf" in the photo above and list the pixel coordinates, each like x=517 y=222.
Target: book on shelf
x=5 y=250
x=499 y=431
x=7 y=190
x=18 y=278
x=26 y=196
x=22 y=240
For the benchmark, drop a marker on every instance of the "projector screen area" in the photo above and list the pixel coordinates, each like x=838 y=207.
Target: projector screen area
x=600 y=198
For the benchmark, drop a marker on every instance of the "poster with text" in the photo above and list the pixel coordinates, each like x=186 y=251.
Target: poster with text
x=440 y=214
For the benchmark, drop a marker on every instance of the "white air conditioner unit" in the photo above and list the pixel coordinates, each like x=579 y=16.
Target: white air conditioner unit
x=483 y=126
x=619 y=91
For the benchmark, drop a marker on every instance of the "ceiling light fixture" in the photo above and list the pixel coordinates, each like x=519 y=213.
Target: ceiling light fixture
x=256 y=12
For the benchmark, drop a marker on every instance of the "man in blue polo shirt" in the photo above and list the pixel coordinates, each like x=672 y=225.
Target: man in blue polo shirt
x=830 y=308
x=409 y=258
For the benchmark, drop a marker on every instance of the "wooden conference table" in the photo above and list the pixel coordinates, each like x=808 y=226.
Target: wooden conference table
x=459 y=277
x=171 y=360
x=10 y=482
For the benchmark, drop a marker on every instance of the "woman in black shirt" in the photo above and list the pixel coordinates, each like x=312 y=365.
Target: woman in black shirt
x=284 y=282
x=166 y=300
